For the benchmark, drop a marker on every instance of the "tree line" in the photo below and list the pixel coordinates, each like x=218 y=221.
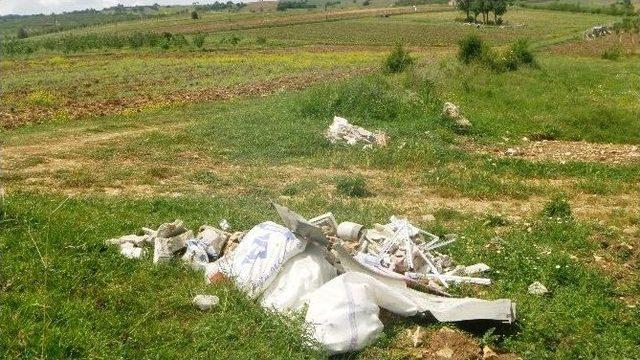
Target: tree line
x=474 y=8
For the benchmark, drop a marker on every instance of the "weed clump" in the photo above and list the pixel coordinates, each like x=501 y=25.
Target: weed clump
x=472 y=48
x=558 y=207
x=613 y=53
x=398 y=60
x=352 y=186
x=198 y=40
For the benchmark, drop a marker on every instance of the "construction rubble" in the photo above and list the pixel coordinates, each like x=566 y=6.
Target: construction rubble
x=338 y=274
x=341 y=131
x=596 y=32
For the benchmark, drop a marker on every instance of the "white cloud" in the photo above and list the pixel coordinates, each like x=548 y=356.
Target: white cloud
x=57 y=6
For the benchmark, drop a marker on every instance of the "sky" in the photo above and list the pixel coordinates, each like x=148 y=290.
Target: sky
x=24 y=7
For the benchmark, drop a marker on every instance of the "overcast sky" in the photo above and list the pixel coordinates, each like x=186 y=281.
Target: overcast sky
x=57 y=6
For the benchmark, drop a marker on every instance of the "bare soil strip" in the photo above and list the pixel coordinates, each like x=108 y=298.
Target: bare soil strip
x=565 y=151
x=14 y=118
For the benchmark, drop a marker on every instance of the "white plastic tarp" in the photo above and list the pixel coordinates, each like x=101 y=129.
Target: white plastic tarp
x=299 y=277
x=256 y=261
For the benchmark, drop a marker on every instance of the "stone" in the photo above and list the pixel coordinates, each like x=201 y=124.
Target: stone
x=537 y=288
x=206 y=302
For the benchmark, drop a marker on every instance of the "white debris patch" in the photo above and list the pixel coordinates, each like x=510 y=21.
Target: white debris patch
x=342 y=131
x=338 y=274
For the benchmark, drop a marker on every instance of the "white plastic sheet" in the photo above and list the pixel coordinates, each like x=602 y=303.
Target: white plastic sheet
x=344 y=311
x=299 y=277
x=256 y=261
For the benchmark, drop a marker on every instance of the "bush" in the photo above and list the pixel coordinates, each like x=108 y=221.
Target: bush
x=194 y=15
x=353 y=187
x=558 y=207
x=198 y=40
x=398 y=60
x=521 y=50
x=613 y=53
x=472 y=48
x=23 y=33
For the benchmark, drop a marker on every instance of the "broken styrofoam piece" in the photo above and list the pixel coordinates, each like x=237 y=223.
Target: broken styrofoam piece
x=327 y=222
x=344 y=312
x=536 y=288
x=165 y=248
x=299 y=277
x=349 y=231
x=451 y=278
x=224 y=225
x=476 y=268
x=132 y=239
x=130 y=251
x=206 y=302
x=212 y=240
x=256 y=261
x=169 y=230
x=342 y=130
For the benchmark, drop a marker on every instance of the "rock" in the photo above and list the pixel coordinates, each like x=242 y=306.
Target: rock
x=417 y=336
x=537 y=288
x=428 y=218
x=445 y=353
x=452 y=112
x=513 y=152
x=488 y=353
x=205 y=302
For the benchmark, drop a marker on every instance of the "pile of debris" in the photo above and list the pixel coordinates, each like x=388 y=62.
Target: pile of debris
x=342 y=131
x=343 y=273
x=452 y=112
x=597 y=31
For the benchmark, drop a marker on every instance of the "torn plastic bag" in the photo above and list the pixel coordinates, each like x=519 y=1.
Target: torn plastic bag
x=196 y=255
x=299 y=277
x=256 y=261
x=344 y=311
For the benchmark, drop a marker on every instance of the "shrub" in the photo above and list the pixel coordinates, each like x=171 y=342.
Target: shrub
x=353 y=186
x=23 y=33
x=398 y=60
x=558 y=207
x=521 y=50
x=472 y=48
x=198 y=40
x=613 y=53
x=194 y=15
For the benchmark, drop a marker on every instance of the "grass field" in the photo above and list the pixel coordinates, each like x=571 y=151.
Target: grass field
x=103 y=142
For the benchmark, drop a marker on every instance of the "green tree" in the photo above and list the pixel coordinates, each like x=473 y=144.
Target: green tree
x=499 y=9
x=465 y=5
x=194 y=15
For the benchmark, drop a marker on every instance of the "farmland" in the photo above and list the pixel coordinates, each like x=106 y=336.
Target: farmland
x=99 y=142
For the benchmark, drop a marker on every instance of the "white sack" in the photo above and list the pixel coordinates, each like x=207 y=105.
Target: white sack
x=299 y=277
x=256 y=261
x=344 y=311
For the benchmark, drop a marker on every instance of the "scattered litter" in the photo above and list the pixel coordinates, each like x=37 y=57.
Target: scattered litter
x=224 y=225
x=341 y=273
x=537 y=288
x=597 y=31
x=452 y=112
x=341 y=130
x=206 y=302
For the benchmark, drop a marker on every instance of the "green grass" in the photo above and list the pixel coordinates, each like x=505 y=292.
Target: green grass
x=67 y=295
